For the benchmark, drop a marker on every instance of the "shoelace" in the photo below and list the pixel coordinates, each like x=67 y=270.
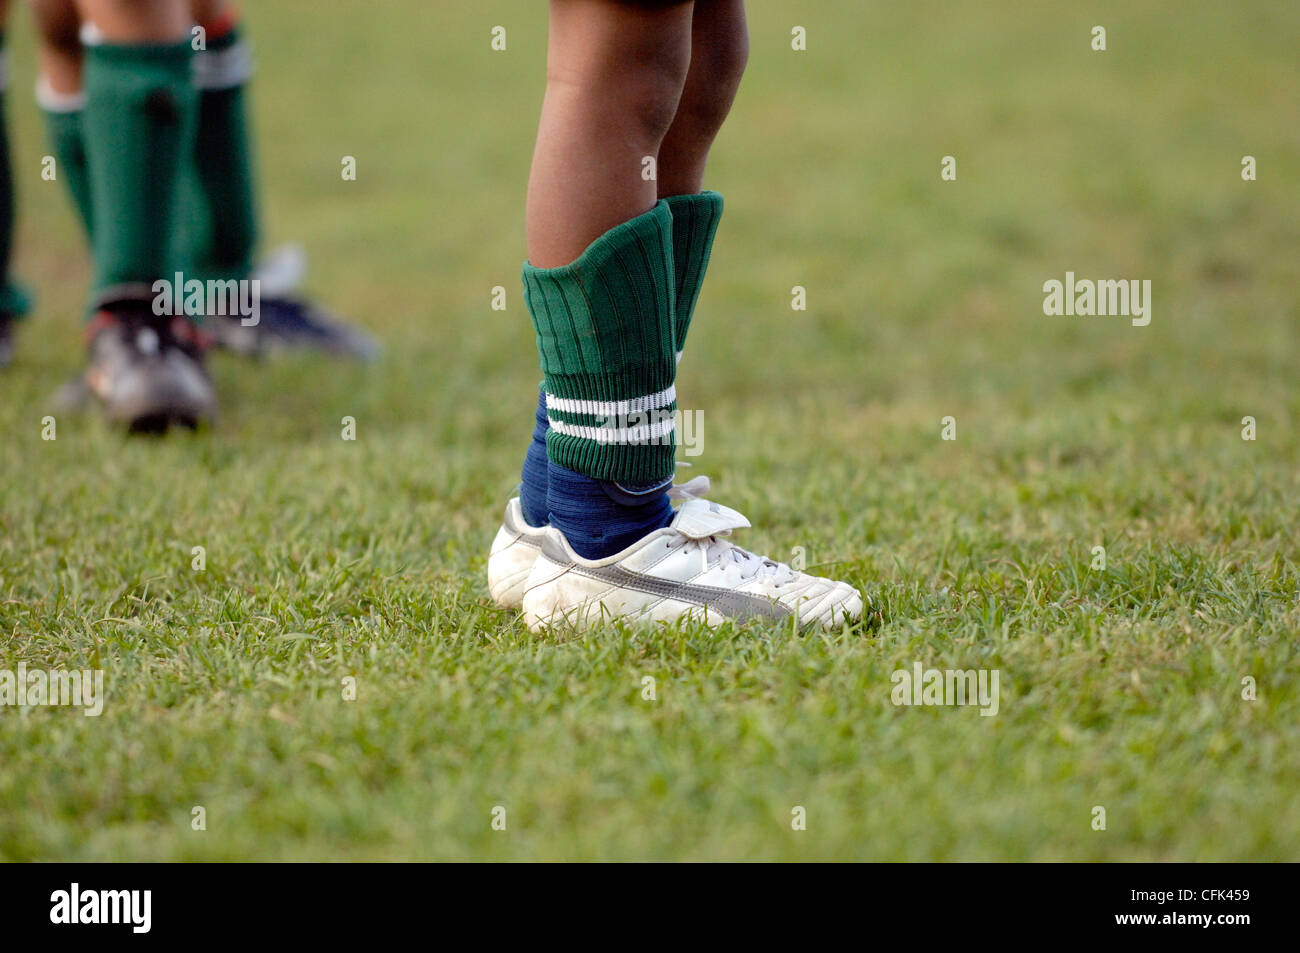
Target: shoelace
x=727 y=552
x=695 y=488
x=750 y=564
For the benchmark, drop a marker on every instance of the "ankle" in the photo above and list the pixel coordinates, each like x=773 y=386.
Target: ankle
x=600 y=518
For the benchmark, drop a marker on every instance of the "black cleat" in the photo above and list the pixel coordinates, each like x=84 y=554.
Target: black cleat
x=293 y=324
x=288 y=321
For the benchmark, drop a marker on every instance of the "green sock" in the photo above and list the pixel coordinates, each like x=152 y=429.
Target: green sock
x=605 y=333
x=14 y=300
x=695 y=222
x=63 y=127
x=139 y=125
x=221 y=229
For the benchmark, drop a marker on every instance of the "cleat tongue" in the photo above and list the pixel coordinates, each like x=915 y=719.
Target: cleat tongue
x=700 y=519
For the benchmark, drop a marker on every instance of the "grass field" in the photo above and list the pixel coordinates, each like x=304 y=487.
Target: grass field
x=327 y=559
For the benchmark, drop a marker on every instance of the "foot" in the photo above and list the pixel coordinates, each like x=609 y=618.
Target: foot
x=687 y=570
x=147 y=370
x=288 y=321
x=287 y=324
x=518 y=544
x=511 y=559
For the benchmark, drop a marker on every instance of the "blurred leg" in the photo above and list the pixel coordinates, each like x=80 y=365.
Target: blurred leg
x=145 y=361
x=60 y=95
x=139 y=125
x=58 y=51
x=222 y=229
x=219 y=232
x=138 y=21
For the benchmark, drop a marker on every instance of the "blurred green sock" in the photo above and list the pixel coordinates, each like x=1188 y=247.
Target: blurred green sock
x=63 y=127
x=139 y=126
x=221 y=224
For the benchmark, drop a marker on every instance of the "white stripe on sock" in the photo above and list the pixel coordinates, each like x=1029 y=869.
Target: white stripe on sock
x=640 y=434
x=613 y=408
x=55 y=102
x=224 y=69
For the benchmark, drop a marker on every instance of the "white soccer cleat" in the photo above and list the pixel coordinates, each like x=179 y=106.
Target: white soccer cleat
x=688 y=569
x=512 y=556
x=517 y=544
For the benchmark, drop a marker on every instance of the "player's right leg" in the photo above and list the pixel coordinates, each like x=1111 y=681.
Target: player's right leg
x=222 y=229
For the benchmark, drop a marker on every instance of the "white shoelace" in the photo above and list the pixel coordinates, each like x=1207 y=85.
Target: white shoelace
x=751 y=565
x=695 y=488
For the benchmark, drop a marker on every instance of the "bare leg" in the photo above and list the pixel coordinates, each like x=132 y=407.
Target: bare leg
x=205 y=11
x=614 y=77
x=719 y=51
x=59 y=45
x=213 y=14
x=138 y=21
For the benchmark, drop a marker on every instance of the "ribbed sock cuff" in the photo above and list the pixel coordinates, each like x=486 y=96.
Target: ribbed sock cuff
x=227 y=63
x=695 y=222
x=606 y=338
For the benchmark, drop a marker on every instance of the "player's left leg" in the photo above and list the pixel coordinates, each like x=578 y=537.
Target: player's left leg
x=14 y=301
x=222 y=223
x=719 y=52
x=146 y=368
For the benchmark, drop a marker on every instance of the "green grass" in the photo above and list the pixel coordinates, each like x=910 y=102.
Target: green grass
x=328 y=559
